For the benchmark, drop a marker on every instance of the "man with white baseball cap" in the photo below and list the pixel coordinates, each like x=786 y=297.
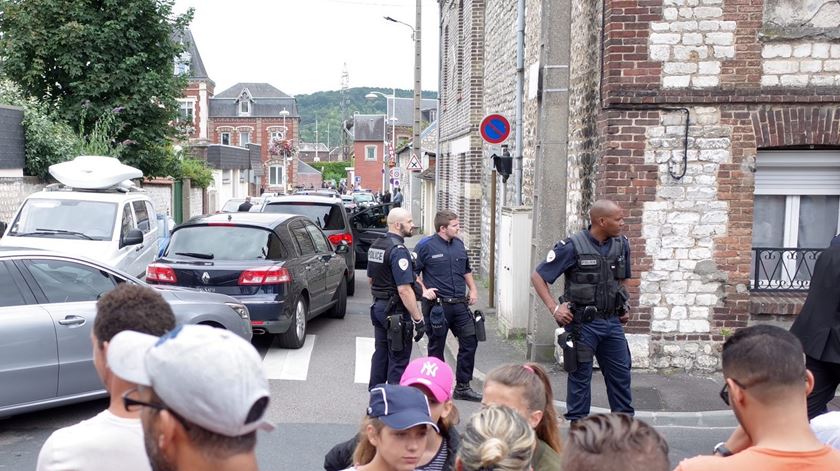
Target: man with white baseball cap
x=203 y=396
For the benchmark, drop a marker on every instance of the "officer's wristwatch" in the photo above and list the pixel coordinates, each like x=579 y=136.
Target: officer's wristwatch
x=722 y=450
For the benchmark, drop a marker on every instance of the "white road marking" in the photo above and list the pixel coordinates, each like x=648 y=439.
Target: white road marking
x=364 y=353
x=289 y=364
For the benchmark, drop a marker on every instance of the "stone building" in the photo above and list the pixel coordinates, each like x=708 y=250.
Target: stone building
x=714 y=123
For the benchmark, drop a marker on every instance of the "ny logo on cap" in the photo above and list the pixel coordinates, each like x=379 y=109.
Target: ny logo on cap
x=429 y=369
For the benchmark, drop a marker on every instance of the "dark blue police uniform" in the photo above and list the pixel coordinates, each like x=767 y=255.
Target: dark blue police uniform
x=603 y=334
x=444 y=265
x=389 y=266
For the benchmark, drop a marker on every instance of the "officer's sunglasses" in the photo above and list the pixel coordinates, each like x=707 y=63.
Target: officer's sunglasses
x=132 y=405
x=724 y=392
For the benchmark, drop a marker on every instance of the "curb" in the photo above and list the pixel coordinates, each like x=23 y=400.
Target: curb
x=705 y=419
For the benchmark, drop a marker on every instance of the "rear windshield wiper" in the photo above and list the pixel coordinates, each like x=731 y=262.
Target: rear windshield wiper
x=39 y=232
x=203 y=256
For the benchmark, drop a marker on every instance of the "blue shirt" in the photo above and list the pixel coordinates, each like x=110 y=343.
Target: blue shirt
x=443 y=265
x=563 y=256
x=401 y=262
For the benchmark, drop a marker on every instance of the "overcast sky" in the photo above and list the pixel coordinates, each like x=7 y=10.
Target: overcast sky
x=239 y=41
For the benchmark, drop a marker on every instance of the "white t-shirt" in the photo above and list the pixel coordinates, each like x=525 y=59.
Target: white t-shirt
x=104 y=442
x=827 y=428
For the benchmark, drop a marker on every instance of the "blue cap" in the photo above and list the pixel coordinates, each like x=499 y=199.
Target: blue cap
x=400 y=407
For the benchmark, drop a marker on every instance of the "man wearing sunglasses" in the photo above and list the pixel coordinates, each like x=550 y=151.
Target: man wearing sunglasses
x=113 y=439
x=201 y=395
x=767 y=386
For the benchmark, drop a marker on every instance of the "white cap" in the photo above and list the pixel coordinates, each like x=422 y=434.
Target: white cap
x=210 y=377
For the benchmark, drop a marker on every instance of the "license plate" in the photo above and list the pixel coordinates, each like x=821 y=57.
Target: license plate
x=206 y=289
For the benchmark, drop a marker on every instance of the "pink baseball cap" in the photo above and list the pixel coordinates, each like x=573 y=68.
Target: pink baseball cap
x=432 y=373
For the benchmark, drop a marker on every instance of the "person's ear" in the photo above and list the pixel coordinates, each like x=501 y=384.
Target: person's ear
x=736 y=394
x=534 y=418
x=809 y=382
x=372 y=436
x=168 y=432
x=447 y=408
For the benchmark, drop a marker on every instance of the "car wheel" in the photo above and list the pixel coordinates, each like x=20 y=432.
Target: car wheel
x=339 y=309
x=296 y=334
x=351 y=286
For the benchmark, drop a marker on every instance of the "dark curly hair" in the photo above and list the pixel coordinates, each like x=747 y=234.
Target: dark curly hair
x=132 y=307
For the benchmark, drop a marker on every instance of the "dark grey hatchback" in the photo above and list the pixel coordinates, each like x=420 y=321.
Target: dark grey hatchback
x=281 y=266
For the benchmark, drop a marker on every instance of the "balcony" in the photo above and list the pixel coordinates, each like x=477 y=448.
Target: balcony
x=782 y=269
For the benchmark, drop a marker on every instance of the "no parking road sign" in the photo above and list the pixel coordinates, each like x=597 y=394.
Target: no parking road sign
x=494 y=128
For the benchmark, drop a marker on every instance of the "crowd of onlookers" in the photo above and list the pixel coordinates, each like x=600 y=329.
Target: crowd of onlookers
x=193 y=397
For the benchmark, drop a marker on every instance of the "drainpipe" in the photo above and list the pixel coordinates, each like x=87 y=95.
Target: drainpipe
x=438 y=157
x=520 y=85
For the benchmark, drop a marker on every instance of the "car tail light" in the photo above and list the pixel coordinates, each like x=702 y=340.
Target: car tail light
x=160 y=273
x=265 y=276
x=336 y=239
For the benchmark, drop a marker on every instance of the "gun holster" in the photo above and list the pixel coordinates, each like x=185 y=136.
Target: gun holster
x=570 y=354
x=480 y=330
x=395 y=333
x=437 y=320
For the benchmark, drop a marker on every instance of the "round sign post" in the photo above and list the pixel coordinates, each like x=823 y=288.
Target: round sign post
x=494 y=128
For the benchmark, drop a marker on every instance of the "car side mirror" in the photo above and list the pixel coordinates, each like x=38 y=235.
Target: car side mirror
x=132 y=237
x=342 y=248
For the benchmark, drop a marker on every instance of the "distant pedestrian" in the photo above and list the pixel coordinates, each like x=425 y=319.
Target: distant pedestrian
x=448 y=292
x=496 y=439
x=818 y=328
x=246 y=205
x=395 y=430
x=527 y=390
x=113 y=439
x=608 y=442
x=767 y=387
x=202 y=393
x=596 y=265
x=398 y=198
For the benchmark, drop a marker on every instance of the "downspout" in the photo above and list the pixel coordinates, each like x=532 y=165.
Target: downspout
x=520 y=86
x=438 y=157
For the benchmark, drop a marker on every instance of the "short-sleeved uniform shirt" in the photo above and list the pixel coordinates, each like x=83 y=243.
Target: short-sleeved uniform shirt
x=401 y=267
x=563 y=256
x=443 y=265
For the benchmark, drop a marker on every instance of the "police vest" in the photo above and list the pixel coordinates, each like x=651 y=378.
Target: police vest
x=594 y=279
x=379 y=267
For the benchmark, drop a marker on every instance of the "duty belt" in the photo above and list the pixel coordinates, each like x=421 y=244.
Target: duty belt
x=453 y=300
x=580 y=312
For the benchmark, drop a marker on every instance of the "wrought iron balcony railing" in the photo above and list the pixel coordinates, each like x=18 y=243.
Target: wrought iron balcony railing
x=782 y=269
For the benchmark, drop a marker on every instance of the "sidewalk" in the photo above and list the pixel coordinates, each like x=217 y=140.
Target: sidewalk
x=662 y=398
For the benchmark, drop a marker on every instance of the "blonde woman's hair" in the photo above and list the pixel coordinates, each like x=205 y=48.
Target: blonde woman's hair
x=365 y=451
x=497 y=438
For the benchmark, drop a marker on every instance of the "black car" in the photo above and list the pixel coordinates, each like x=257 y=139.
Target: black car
x=327 y=213
x=369 y=224
x=281 y=266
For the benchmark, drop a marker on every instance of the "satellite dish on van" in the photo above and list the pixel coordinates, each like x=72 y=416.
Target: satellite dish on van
x=93 y=172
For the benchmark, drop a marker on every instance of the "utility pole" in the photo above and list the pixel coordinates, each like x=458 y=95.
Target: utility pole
x=316 y=140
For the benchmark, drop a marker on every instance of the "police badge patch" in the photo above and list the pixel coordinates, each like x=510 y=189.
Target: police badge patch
x=403 y=263
x=376 y=255
x=550 y=257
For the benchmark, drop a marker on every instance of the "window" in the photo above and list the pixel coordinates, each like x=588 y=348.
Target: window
x=226 y=242
x=62 y=218
x=226 y=176
x=182 y=63
x=277 y=134
x=244 y=138
x=10 y=294
x=328 y=217
x=225 y=138
x=68 y=282
x=142 y=216
x=304 y=242
x=150 y=210
x=185 y=111
x=370 y=152
x=244 y=107
x=321 y=244
x=275 y=175
x=127 y=221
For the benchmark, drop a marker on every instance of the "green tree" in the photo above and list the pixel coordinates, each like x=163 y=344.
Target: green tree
x=87 y=57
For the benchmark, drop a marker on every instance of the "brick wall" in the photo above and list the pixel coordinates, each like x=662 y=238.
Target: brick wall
x=369 y=170
x=260 y=129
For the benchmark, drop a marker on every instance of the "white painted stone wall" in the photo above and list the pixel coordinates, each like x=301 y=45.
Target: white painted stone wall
x=196 y=202
x=684 y=285
x=800 y=64
x=691 y=42
x=13 y=190
x=161 y=196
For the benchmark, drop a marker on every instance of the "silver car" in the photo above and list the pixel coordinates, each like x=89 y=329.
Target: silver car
x=47 y=308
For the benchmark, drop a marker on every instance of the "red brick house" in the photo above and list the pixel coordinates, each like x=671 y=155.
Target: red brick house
x=256 y=113
x=368 y=147
x=194 y=104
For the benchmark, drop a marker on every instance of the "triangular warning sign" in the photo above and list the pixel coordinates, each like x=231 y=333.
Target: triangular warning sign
x=414 y=163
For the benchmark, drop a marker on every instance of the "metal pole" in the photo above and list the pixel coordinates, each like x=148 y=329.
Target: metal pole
x=394 y=126
x=520 y=85
x=415 y=142
x=492 y=271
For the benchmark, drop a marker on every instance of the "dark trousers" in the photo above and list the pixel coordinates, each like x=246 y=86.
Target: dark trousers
x=386 y=365
x=826 y=380
x=605 y=337
x=460 y=322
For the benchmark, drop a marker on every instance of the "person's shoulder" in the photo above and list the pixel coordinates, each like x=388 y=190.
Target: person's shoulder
x=703 y=463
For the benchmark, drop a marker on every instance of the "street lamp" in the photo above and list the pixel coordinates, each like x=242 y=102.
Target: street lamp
x=393 y=120
x=283 y=113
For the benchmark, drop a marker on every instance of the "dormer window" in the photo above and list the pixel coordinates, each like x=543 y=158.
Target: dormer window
x=182 y=63
x=244 y=103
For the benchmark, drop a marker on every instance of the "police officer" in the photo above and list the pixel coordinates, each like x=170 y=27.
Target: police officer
x=596 y=265
x=394 y=312
x=445 y=275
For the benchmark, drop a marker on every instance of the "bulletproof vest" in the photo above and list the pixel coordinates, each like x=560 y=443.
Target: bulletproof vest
x=594 y=279
x=379 y=267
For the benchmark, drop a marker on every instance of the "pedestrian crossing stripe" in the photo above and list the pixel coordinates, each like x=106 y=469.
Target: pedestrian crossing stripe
x=290 y=365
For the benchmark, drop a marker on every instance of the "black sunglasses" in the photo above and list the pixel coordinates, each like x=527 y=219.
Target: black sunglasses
x=131 y=405
x=724 y=392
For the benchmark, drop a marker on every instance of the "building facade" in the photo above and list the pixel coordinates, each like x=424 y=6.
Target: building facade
x=369 y=137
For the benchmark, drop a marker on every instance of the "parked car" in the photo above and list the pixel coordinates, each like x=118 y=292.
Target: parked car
x=319 y=192
x=349 y=203
x=368 y=224
x=329 y=215
x=232 y=205
x=364 y=199
x=281 y=266
x=47 y=309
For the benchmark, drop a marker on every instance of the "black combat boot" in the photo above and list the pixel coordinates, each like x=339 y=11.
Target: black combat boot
x=465 y=393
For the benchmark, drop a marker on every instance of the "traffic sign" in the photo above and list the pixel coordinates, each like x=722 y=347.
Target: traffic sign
x=395 y=172
x=494 y=128
x=396 y=182
x=414 y=163
x=357 y=179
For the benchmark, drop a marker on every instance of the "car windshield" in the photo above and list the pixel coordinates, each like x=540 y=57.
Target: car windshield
x=363 y=197
x=66 y=219
x=328 y=217
x=225 y=243
x=232 y=206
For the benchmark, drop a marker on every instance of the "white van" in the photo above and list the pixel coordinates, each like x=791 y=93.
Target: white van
x=103 y=216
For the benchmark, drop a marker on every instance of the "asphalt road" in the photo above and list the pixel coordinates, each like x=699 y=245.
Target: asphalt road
x=316 y=400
